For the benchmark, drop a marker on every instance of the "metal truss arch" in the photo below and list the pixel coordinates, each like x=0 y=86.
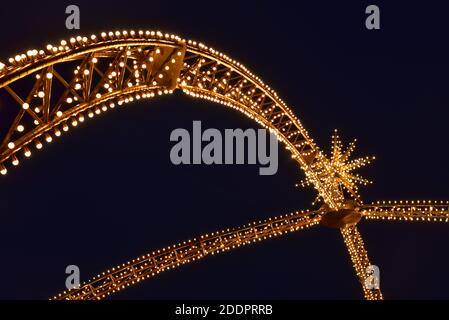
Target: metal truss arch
x=45 y=92
x=121 y=67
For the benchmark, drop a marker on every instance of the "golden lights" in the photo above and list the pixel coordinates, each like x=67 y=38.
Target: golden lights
x=151 y=264
x=160 y=63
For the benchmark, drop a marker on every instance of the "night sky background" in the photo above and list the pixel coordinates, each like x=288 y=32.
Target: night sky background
x=107 y=191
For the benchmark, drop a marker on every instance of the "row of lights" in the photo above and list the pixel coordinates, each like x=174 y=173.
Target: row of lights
x=69 y=100
x=295 y=153
x=237 y=93
x=435 y=202
x=124 y=275
x=246 y=73
x=397 y=216
x=74 y=121
x=437 y=211
x=34 y=55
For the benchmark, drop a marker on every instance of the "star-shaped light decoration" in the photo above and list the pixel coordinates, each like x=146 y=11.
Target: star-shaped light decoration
x=342 y=168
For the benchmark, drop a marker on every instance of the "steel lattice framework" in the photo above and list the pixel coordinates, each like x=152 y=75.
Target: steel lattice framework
x=48 y=91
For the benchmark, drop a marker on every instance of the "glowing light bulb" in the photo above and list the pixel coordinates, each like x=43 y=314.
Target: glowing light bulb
x=27 y=153
x=15 y=161
x=38 y=144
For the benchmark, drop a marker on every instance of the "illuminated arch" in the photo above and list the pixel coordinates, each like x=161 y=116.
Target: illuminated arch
x=47 y=91
x=120 y=67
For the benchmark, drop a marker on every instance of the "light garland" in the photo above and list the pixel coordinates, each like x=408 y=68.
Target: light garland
x=146 y=64
x=151 y=264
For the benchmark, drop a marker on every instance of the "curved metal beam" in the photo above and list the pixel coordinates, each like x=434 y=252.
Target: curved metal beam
x=119 y=67
x=151 y=264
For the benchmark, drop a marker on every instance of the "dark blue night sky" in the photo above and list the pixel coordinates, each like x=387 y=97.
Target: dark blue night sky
x=107 y=191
